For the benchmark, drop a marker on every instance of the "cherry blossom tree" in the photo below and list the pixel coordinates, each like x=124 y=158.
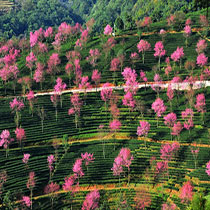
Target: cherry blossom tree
x=84 y=84
x=208 y=168
x=159 y=108
x=202 y=60
x=143 y=130
x=157 y=86
x=134 y=57
x=176 y=129
x=108 y=30
x=88 y=158
x=115 y=65
x=31 y=184
x=5 y=140
x=170 y=120
x=77 y=103
x=186 y=192
x=195 y=153
x=146 y=22
x=106 y=94
x=201 y=104
x=171 y=20
x=77 y=168
x=108 y=46
x=201 y=46
x=51 y=189
x=16 y=106
x=39 y=74
x=177 y=55
x=187 y=33
x=129 y=101
x=124 y=159
x=26 y=159
x=59 y=87
x=26 y=201
x=159 y=51
x=52 y=63
x=91 y=201
x=96 y=77
x=30 y=97
x=170 y=94
x=143 y=46
x=93 y=57
x=162 y=34
x=168 y=151
x=114 y=126
x=30 y=61
x=20 y=135
x=187 y=116
x=51 y=160
x=26 y=84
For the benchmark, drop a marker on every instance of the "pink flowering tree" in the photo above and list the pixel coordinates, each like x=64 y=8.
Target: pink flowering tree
x=170 y=120
x=124 y=159
x=31 y=184
x=201 y=46
x=59 y=88
x=130 y=77
x=51 y=160
x=171 y=21
x=134 y=57
x=168 y=151
x=108 y=30
x=108 y=46
x=70 y=187
x=91 y=200
x=39 y=74
x=114 y=126
x=159 y=108
x=187 y=33
x=177 y=56
x=195 y=152
x=208 y=168
x=30 y=96
x=115 y=66
x=146 y=22
x=143 y=46
x=16 y=106
x=20 y=135
x=5 y=140
x=129 y=101
x=93 y=57
x=106 y=94
x=77 y=169
x=88 y=158
x=186 y=192
x=159 y=51
x=26 y=201
x=157 y=86
x=53 y=63
x=170 y=94
x=25 y=159
x=201 y=104
x=143 y=130
x=26 y=84
x=77 y=104
x=202 y=60
x=84 y=84
x=176 y=129
x=30 y=61
x=51 y=189
x=96 y=77
x=162 y=34
x=187 y=116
